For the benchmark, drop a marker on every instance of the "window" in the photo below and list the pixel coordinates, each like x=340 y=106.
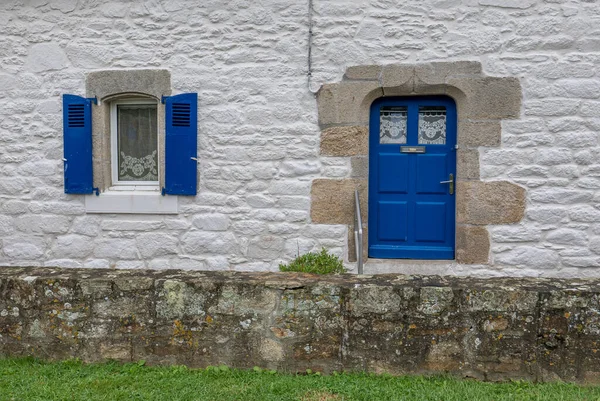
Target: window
x=134 y=144
x=129 y=142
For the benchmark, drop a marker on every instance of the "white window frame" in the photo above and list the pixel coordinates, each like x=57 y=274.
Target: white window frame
x=129 y=185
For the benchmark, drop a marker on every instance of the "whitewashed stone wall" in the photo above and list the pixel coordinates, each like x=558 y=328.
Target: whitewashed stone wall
x=258 y=133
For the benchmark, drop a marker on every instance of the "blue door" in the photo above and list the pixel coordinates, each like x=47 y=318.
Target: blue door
x=412 y=172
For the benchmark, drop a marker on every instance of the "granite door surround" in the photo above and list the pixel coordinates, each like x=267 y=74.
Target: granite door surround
x=481 y=101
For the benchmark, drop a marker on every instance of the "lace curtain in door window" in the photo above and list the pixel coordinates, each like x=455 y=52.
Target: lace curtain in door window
x=392 y=125
x=137 y=142
x=432 y=125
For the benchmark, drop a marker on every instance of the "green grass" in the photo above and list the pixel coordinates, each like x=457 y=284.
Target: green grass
x=316 y=263
x=28 y=379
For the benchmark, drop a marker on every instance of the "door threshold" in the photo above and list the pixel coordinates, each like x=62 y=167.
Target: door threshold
x=413 y=267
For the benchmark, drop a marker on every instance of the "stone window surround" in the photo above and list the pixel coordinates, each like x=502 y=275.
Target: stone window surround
x=481 y=101
x=107 y=86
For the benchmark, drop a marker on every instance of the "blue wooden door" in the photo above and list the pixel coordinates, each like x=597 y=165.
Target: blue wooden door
x=412 y=172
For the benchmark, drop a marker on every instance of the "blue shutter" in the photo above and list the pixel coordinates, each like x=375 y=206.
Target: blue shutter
x=181 y=144
x=77 y=141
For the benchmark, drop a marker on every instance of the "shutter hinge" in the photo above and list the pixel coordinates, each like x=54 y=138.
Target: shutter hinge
x=163 y=192
x=163 y=99
x=93 y=100
x=97 y=190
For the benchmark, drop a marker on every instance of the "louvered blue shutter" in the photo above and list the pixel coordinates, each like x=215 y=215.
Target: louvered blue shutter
x=77 y=141
x=181 y=143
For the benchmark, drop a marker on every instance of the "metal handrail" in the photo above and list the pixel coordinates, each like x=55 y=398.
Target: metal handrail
x=358 y=233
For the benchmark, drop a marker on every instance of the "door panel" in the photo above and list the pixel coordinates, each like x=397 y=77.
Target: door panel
x=431 y=170
x=394 y=227
x=393 y=175
x=430 y=221
x=411 y=153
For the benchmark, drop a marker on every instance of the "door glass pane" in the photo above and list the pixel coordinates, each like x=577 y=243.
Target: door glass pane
x=137 y=142
x=392 y=125
x=432 y=125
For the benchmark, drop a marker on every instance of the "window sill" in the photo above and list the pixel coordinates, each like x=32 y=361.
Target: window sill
x=146 y=200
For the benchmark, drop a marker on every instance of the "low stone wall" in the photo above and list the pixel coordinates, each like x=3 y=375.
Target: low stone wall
x=489 y=329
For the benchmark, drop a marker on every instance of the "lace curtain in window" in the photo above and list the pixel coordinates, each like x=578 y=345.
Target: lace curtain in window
x=432 y=125
x=137 y=142
x=392 y=125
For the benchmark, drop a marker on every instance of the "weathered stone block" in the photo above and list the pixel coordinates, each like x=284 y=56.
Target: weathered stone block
x=364 y=72
x=486 y=97
x=398 y=78
x=359 y=166
x=434 y=300
x=347 y=102
x=332 y=201
x=482 y=203
x=472 y=245
x=352 y=243
x=345 y=141
x=467 y=164
x=151 y=82
x=479 y=133
x=499 y=300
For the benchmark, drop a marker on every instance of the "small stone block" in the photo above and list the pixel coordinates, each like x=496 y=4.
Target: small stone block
x=479 y=133
x=345 y=141
x=332 y=201
x=467 y=164
x=482 y=203
x=472 y=245
x=363 y=72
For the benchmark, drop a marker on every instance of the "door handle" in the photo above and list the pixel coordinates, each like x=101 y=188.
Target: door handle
x=451 y=182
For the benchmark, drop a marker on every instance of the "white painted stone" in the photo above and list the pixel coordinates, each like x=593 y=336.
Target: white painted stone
x=217 y=263
x=585 y=213
x=6 y=225
x=221 y=243
x=43 y=224
x=212 y=222
x=265 y=247
x=260 y=201
x=96 y=264
x=46 y=57
x=528 y=256
x=565 y=236
x=130 y=225
x=249 y=227
x=188 y=264
x=547 y=214
x=508 y=3
x=553 y=156
x=520 y=233
x=294 y=202
x=73 y=246
x=64 y=263
x=299 y=168
x=86 y=225
x=24 y=247
x=65 y=6
x=130 y=264
x=283 y=228
x=560 y=196
x=156 y=244
x=115 y=248
x=7 y=82
x=295 y=247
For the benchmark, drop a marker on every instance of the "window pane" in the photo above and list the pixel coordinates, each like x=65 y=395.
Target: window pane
x=392 y=125
x=137 y=142
x=432 y=125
